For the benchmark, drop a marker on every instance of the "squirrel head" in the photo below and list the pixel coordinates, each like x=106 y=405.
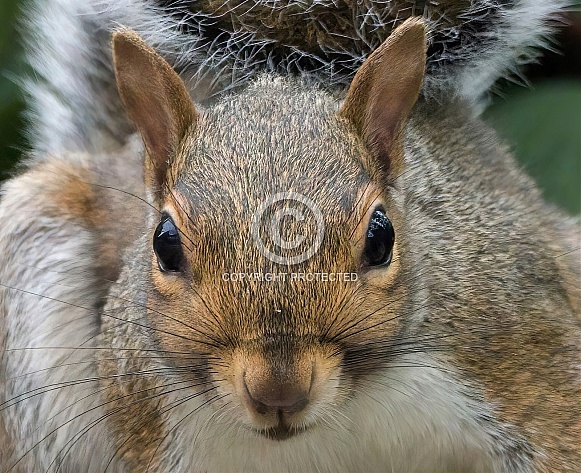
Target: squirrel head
x=274 y=269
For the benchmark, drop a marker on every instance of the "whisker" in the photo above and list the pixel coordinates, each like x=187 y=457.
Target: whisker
x=216 y=397
x=363 y=214
x=93 y=424
x=348 y=326
x=215 y=360
x=193 y=329
x=568 y=252
x=64 y=384
x=109 y=315
x=116 y=399
x=86 y=429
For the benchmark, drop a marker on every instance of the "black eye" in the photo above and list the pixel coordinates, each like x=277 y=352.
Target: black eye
x=167 y=246
x=380 y=240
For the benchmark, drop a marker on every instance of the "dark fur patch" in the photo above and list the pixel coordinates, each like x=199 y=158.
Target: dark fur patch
x=303 y=37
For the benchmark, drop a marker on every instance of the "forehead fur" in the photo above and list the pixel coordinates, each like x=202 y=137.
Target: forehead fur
x=276 y=136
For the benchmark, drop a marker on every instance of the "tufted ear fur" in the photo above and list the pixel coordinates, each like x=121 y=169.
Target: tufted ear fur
x=156 y=100
x=385 y=89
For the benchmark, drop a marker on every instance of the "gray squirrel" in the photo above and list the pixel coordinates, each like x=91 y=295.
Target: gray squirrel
x=311 y=266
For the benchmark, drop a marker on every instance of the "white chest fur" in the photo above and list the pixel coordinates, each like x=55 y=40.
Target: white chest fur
x=412 y=419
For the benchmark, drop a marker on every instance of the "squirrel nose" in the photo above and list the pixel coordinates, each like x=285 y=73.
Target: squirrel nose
x=270 y=394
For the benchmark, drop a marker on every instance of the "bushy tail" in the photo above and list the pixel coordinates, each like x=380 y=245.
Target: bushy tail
x=217 y=46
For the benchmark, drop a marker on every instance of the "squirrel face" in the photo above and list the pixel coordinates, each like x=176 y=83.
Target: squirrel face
x=278 y=347
x=281 y=351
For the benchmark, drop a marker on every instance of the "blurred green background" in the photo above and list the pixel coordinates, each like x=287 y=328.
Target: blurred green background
x=11 y=103
x=541 y=122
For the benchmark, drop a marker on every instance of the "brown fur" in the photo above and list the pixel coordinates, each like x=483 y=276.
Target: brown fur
x=519 y=340
x=70 y=188
x=482 y=281
x=527 y=368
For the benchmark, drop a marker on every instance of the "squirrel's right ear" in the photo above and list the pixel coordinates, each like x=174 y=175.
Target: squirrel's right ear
x=156 y=100
x=385 y=89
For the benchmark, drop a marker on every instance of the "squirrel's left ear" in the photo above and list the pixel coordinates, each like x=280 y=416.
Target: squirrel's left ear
x=385 y=89
x=156 y=100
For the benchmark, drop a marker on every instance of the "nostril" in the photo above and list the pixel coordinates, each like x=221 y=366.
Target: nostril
x=270 y=396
